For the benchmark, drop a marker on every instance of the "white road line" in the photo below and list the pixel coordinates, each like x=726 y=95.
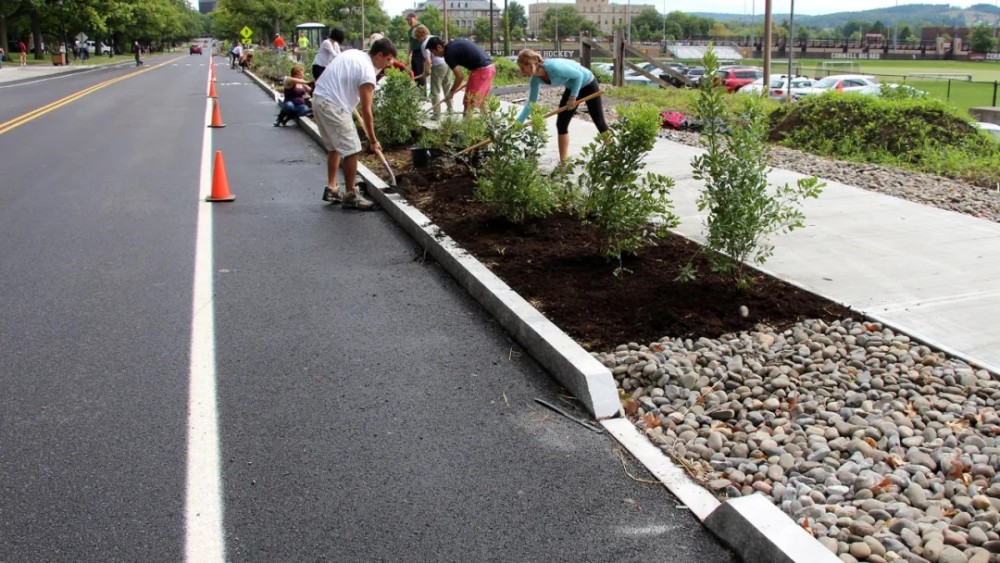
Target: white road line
x=203 y=497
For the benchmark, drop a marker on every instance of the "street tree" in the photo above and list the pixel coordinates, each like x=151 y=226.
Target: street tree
x=981 y=39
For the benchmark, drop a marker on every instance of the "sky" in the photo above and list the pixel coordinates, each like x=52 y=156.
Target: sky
x=805 y=7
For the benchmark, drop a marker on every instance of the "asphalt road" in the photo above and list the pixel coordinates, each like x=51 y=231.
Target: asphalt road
x=367 y=408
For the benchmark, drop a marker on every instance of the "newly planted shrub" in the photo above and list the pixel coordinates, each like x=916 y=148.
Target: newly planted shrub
x=630 y=209
x=453 y=133
x=743 y=211
x=510 y=180
x=397 y=108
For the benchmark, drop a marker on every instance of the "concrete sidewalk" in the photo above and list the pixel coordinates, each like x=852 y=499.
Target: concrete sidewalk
x=925 y=271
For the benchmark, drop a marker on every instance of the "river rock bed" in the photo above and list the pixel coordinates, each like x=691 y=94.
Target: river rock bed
x=881 y=447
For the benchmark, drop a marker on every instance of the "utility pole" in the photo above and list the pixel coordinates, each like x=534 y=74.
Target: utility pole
x=767 y=39
x=444 y=4
x=491 y=28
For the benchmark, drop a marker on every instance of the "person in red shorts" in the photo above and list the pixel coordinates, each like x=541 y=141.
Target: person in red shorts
x=462 y=53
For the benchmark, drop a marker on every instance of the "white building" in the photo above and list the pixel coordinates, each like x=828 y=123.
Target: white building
x=463 y=13
x=602 y=12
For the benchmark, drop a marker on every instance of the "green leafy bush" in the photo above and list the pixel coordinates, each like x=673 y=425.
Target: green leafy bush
x=743 y=212
x=507 y=72
x=629 y=209
x=396 y=108
x=272 y=64
x=923 y=134
x=510 y=180
x=454 y=134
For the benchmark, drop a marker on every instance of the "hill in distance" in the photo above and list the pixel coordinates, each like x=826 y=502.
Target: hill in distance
x=923 y=14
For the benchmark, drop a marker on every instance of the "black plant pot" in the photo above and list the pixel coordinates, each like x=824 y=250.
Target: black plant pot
x=420 y=156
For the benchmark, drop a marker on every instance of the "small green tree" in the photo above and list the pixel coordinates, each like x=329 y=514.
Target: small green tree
x=742 y=212
x=511 y=180
x=396 y=108
x=629 y=209
x=981 y=39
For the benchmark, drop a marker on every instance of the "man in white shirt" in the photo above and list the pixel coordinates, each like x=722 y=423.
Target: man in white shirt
x=348 y=81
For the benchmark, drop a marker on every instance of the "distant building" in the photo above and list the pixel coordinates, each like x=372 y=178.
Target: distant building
x=205 y=7
x=462 y=13
x=601 y=12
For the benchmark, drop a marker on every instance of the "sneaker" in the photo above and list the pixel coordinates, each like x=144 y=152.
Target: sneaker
x=332 y=195
x=357 y=201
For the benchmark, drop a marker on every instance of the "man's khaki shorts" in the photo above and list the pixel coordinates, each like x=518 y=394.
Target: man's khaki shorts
x=337 y=127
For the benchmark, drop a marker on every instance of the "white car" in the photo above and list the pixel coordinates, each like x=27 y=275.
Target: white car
x=991 y=128
x=777 y=88
x=840 y=83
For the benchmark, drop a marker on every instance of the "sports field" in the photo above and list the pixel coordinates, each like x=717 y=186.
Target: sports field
x=947 y=80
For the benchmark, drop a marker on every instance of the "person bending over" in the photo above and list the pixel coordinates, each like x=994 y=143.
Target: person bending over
x=579 y=82
x=462 y=53
x=348 y=81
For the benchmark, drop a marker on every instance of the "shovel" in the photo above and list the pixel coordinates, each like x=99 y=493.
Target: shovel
x=482 y=144
x=381 y=156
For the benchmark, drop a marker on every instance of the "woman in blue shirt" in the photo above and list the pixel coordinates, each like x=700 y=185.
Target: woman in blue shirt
x=579 y=82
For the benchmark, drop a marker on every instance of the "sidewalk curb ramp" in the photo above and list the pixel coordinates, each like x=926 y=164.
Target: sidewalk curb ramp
x=752 y=527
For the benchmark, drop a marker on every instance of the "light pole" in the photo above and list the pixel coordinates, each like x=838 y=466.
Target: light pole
x=664 y=21
x=791 y=50
x=491 y=28
x=628 y=21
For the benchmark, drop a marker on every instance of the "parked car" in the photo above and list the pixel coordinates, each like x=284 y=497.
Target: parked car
x=841 y=83
x=92 y=48
x=695 y=73
x=603 y=67
x=195 y=48
x=735 y=78
x=778 y=89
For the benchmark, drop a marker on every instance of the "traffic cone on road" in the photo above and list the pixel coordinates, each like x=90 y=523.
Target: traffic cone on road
x=216 y=116
x=220 y=185
x=211 y=89
x=211 y=71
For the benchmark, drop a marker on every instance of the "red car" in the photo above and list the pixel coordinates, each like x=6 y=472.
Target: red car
x=195 y=49
x=735 y=78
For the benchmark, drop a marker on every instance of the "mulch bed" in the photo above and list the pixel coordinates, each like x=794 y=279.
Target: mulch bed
x=555 y=264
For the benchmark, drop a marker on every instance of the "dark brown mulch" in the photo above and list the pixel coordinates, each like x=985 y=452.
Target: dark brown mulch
x=555 y=264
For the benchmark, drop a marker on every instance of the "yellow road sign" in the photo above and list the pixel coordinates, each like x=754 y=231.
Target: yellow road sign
x=246 y=33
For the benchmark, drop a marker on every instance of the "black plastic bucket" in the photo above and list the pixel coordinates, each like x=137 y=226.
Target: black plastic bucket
x=420 y=156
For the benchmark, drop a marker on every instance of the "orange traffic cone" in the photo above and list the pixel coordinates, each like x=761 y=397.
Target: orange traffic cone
x=211 y=89
x=216 y=116
x=220 y=185
x=211 y=71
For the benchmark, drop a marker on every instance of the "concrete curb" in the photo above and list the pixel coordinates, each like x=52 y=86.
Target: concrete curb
x=753 y=527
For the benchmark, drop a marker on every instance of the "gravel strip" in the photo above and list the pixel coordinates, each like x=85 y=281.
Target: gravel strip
x=883 y=448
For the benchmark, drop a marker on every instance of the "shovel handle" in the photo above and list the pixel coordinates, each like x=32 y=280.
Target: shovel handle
x=381 y=156
x=547 y=115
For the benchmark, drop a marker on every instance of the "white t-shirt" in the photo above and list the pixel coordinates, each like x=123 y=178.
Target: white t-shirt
x=328 y=50
x=345 y=75
x=435 y=60
x=237 y=50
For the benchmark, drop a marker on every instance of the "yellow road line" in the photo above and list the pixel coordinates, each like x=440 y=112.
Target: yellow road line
x=36 y=113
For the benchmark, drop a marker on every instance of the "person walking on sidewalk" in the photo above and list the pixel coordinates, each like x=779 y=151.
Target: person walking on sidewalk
x=579 y=82
x=328 y=50
x=137 y=50
x=348 y=81
x=464 y=53
x=22 y=53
